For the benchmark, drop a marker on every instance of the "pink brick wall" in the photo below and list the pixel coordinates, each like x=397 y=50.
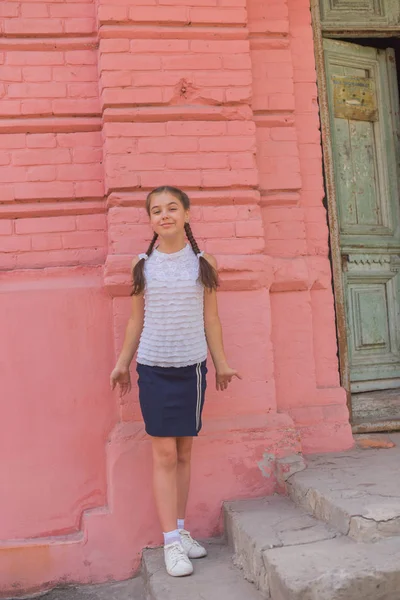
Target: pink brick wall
x=47 y=19
x=99 y=103
x=46 y=83
x=199 y=154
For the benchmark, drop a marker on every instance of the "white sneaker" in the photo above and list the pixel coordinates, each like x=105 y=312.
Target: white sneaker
x=191 y=547
x=176 y=560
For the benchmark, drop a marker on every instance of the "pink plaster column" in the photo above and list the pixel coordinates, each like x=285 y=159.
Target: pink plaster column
x=291 y=187
x=177 y=110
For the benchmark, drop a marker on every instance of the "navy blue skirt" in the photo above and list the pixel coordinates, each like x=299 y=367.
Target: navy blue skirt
x=172 y=399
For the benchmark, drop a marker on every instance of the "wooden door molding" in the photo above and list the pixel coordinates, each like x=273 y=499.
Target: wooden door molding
x=339 y=295
x=359 y=15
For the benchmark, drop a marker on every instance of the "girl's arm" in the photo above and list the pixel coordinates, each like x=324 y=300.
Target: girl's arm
x=133 y=332
x=213 y=329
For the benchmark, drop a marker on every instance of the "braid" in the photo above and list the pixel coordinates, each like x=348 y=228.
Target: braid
x=152 y=244
x=138 y=271
x=190 y=237
x=208 y=275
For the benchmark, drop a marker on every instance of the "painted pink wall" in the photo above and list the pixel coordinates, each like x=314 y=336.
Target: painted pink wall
x=124 y=97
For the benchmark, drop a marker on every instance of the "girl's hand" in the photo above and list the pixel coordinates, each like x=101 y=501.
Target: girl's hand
x=122 y=377
x=224 y=376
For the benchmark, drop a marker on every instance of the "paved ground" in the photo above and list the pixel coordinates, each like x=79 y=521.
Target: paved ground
x=214 y=578
x=124 y=590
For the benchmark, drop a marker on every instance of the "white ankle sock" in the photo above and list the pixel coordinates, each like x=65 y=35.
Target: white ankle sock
x=181 y=523
x=172 y=536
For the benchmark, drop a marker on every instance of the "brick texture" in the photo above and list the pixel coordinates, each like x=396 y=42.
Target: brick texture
x=43 y=18
x=53 y=241
x=49 y=166
x=179 y=12
x=191 y=154
x=179 y=71
x=38 y=82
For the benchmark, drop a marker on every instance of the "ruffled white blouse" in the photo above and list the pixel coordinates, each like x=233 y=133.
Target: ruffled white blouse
x=173 y=333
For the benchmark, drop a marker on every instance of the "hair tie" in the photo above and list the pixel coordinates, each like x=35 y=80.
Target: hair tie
x=144 y=256
x=200 y=254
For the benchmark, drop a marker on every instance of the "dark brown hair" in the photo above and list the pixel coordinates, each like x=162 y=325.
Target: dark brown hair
x=207 y=275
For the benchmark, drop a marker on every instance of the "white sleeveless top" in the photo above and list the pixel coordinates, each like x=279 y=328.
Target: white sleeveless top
x=173 y=333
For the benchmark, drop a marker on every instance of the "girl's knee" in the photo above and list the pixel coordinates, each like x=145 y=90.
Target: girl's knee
x=165 y=454
x=184 y=448
x=184 y=458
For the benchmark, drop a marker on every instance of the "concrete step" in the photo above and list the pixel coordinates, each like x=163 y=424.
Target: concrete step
x=335 y=569
x=356 y=492
x=254 y=526
x=214 y=578
x=291 y=556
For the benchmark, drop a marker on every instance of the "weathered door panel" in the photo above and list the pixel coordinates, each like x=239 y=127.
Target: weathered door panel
x=359 y=14
x=363 y=99
x=372 y=305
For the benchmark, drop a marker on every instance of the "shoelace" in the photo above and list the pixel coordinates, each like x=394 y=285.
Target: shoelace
x=176 y=553
x=191 y=540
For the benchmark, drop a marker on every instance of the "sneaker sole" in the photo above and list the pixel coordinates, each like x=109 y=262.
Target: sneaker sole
x=197 y=557
x=183 y=574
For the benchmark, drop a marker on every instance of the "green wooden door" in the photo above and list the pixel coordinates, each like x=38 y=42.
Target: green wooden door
x=363 y=102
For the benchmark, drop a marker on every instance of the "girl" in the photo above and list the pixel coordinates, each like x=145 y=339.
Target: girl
x=174 y=317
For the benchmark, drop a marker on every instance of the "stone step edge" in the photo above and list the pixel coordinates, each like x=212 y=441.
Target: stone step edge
x=335 y=569
x=248 y=541
x=358 y=527
x=270 y=566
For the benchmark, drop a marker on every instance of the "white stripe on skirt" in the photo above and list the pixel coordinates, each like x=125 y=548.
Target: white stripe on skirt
x=198 y=406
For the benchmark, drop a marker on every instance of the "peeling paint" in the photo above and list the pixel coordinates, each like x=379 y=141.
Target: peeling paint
x=267 y=465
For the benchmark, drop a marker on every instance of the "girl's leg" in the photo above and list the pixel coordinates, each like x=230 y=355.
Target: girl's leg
x=165 y=465
x=165 y=462
x=184 y=455
x=184 y=445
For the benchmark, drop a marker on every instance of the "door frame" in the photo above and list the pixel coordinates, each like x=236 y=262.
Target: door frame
x=330 y=189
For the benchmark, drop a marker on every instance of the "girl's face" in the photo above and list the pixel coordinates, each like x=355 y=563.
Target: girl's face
x=167 y=215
